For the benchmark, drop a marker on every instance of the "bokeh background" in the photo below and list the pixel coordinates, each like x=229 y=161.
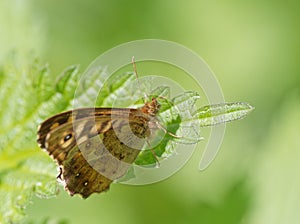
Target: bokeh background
x=252 y=47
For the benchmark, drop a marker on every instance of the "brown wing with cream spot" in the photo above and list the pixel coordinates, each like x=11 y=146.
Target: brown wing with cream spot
x=60 y=133
x=94 y=146
x=93 y=164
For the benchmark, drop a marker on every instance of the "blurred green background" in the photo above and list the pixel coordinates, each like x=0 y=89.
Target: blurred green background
x=252 y=47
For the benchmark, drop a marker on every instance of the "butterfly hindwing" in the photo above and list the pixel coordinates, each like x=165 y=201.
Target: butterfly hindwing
x=92 y=165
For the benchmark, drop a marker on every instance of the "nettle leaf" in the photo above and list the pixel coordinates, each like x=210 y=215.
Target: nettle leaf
x=176 y=117
x=24 y=169
x=220 y=113
x=28 y=95
x=183 y=120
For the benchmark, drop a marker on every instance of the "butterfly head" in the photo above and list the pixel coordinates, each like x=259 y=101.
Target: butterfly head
x=151 y=107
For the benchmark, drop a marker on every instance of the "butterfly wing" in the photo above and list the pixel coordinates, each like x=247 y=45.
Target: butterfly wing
x=94 y=146
x=68 y=117
x=92 y=165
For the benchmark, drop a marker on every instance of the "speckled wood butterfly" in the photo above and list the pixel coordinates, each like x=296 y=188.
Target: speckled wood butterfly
x=95 y=146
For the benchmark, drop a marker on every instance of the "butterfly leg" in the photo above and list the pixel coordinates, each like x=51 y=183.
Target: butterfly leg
x=154 y=154
x=166 y=131
x=59 y=176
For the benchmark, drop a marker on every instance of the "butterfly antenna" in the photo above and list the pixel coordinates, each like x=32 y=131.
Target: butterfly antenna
x=137 y=77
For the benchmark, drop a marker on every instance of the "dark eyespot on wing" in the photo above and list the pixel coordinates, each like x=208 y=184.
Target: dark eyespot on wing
x=68 y=137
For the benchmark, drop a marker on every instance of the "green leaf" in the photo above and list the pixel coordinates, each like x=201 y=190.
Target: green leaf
x=28 y=96
x=182 y=120
x=176 y=116
x=67 y=81
x=24 y=169
x=220 y=113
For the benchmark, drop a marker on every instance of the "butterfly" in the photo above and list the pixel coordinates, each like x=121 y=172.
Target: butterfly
x=95 y=146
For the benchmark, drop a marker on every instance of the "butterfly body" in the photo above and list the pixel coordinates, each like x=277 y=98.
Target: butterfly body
x=95 y=146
